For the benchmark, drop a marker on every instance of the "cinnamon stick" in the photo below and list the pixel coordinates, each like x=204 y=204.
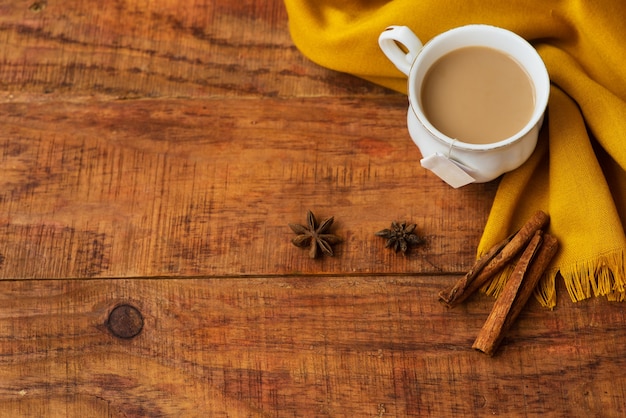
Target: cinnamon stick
x=538 y=266
x=493 y=262
x=450 y=295
x=528 y=270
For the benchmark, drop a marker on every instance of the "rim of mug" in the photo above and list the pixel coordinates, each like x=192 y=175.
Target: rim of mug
x=538 y=111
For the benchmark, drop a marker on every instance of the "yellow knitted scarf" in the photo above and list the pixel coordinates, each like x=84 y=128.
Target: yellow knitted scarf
x=578 y=172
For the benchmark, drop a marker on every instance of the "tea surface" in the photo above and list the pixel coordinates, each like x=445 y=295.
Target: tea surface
x=477 y=95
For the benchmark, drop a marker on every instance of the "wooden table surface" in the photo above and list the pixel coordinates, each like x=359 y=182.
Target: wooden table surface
x=152 y=154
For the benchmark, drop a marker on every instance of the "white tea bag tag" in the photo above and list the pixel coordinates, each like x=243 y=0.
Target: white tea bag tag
x=448 y=170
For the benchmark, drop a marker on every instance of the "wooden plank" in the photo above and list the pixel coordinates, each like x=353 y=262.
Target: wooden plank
x=298 y=346
x=177 y=202
x=136 y=49
x=207 y=187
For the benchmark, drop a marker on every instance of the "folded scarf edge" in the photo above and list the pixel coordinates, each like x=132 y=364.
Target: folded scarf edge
x=604 y=275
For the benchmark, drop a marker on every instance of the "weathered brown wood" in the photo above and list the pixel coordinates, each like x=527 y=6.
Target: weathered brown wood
x=207 y=187
x=300 y=346
x=152 y=155
x=137 y=48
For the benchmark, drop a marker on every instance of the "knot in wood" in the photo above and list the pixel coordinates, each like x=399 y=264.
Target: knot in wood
x=125 y=321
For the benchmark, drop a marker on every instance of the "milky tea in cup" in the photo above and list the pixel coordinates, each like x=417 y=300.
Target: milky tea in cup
x=477 y=95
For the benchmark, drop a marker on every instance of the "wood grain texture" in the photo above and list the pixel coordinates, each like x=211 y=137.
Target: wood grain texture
x=152 y=155
x=137 y=48
x=304 y=347
x=207 y=187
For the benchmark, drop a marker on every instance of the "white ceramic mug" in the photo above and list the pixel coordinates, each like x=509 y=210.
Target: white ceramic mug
x=459 y=163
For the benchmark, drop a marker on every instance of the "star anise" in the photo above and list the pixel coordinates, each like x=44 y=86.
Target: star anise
x=400 y=236
x=315 y=236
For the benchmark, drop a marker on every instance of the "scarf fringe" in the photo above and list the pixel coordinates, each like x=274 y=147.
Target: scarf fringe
x=495 y=286
x=545 y=292
x=602 y=276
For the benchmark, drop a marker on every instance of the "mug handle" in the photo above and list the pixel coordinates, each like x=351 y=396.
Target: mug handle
x=392 y=39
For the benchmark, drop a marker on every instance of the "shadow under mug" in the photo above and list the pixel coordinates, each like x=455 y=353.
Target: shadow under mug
x=459 y=163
